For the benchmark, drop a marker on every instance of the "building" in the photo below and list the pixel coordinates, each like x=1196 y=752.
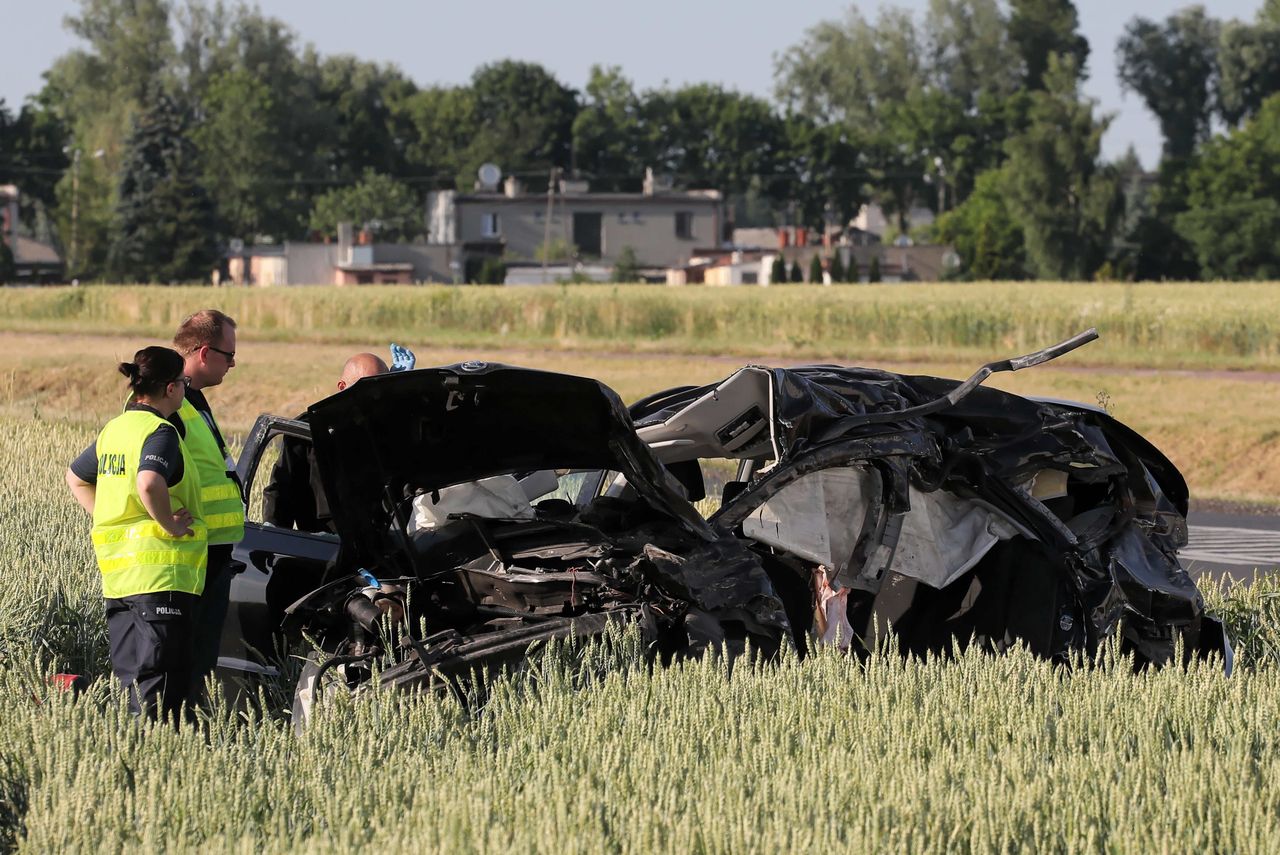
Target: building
x=663 y=227
x=34 y=262
x=872 y=219
x=353 y=260
x=857 y=248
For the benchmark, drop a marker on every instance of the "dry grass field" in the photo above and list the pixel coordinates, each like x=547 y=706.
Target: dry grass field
x=1221 y=428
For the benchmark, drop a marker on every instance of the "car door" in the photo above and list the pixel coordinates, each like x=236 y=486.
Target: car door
x=275 y=565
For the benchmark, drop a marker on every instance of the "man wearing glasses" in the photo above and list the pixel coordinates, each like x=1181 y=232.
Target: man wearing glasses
x=207 y=343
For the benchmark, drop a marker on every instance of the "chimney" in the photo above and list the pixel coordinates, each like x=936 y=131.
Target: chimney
x=512 y=187
x=648 y=181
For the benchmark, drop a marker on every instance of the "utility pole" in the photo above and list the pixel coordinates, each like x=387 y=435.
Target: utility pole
x=546 y=225
x=73 y=253
x=75 y=208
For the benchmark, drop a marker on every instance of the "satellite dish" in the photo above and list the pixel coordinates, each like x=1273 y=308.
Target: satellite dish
x=490 y=175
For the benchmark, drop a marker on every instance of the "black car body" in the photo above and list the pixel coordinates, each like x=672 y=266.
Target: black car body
x=850 y=501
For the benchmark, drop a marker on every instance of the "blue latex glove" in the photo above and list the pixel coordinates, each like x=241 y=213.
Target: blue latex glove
x=402 y=358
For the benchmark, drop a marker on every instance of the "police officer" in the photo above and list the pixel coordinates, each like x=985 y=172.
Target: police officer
x=140 y=484
x=207 y=342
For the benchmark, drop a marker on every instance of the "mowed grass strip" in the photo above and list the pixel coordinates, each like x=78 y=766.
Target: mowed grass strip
x=981 y=754
x=1222 y=430
x=1167 y=325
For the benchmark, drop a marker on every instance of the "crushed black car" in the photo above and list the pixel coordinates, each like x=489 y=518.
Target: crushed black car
x=479 y=509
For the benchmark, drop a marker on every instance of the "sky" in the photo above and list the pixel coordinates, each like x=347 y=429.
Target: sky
x=656 y=42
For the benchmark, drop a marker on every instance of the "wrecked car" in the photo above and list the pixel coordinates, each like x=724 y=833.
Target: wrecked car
x=480 y=509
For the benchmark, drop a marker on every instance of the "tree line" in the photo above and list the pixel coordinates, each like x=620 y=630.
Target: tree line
x=176 y=128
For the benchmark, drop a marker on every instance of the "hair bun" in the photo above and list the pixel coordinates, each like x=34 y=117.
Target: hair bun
x=130 y=370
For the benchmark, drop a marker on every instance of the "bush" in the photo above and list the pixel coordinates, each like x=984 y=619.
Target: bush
x=778 y=273
x=873 y=272
x=627 y=268
x=837 y=267
x=815 y=269
x=796 y=274
x=486 y=271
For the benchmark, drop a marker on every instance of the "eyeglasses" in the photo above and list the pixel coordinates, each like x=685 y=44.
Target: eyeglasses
x=184 y=380
x=229 y=354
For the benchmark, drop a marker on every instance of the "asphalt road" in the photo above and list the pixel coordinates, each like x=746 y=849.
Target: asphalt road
x=1239 y=546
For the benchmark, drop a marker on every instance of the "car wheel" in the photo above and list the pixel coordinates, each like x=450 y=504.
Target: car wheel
x=317 y=684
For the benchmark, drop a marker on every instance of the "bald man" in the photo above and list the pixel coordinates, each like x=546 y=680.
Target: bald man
x=360 y=365
x=294 y=498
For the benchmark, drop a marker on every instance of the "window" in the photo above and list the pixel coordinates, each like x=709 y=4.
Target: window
x=684 y=225
x=489 y=225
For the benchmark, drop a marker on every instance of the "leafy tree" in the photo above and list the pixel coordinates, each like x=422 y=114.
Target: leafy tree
x=240 y=157
x=377 y=202
x=873 y=271
x=95 y=91
x=714 y=137
x=444 y=125
x=626 y=268
x=1173 y=68
x=1233 y=195
x=1159 y=251
x=609 y=142
x=797 y=275
x=851 y=71
x=924 y=107
x=848 y=71
x=1038 y=28
x=984 y=233
x=165 y=219
x=1066 y=200
x=968 y=50
x=31 y=154
x=367 y=106
x=824 y=172
x=267 y=130
x=838 y=273
x=526 y=116
x=778 y=272
x=815 y=269
x=1248 y=67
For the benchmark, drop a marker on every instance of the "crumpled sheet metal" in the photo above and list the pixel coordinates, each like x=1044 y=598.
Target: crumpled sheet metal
x=1116 y=543
x=724 y=579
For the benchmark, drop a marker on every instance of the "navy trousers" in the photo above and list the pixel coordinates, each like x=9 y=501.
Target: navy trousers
x=211 y=613
x=150 y=637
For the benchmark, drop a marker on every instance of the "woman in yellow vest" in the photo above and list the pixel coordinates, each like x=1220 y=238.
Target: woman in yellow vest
x=141 y=486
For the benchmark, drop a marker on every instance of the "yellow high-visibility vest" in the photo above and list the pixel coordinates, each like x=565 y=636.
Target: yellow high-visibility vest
x=135 y=554
x=219 y=492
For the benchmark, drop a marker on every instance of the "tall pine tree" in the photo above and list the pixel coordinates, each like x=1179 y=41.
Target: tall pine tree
x=165 y=226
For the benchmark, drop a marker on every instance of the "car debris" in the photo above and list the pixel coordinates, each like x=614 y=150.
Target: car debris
x=483 y=509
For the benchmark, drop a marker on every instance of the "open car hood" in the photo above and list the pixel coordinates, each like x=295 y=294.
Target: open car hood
x=389 y=436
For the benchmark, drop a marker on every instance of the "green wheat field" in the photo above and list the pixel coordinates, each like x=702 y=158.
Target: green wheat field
x=1215 y=325
x=983 y=754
